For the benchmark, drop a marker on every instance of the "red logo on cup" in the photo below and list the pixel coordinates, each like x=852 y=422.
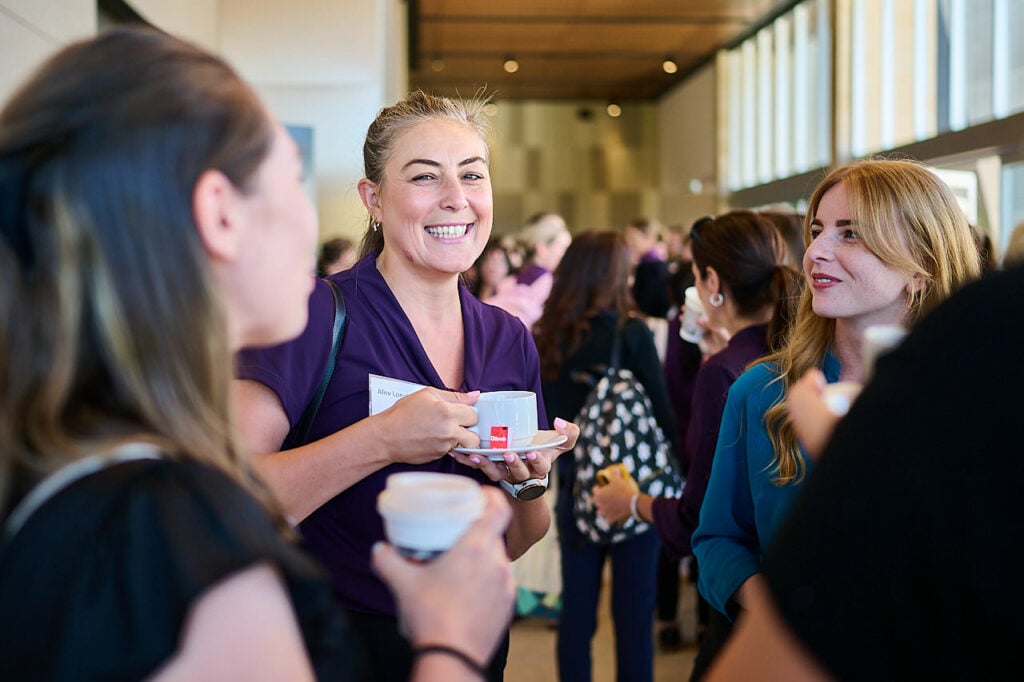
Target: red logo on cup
x=499 y=437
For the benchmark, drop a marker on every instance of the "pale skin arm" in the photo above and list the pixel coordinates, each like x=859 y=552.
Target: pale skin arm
x=762 y=647
x=417 y=429
x=812 y=420
x=530 y=519
x=463 y=599
x=243 y=628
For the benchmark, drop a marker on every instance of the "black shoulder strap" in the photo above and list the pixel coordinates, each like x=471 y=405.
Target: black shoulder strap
x=616 y=358
x=300 y=432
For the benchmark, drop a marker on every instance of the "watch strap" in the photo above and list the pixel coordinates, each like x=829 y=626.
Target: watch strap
x=514 y=489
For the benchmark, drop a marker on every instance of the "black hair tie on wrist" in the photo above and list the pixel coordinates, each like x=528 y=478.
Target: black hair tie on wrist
x=454 y=653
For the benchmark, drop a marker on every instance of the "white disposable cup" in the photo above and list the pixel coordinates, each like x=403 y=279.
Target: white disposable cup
x=425 y=513
x=506 y=419
x=878 y=340
x=689 y=330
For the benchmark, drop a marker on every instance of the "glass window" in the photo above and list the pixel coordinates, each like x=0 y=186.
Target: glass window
x=1012 y=208
x=978 y=49
x=1014 y=12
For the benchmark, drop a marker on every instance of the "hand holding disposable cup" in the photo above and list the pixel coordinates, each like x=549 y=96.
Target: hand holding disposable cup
x=813 y=419
x=463 y=598
x=693 y=309
x=425 y=513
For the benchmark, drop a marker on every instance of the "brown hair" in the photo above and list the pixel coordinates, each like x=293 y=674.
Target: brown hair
x=112 y=328
x=592 y=277
x=331 y=252
x=749 y=255
x=791 y=226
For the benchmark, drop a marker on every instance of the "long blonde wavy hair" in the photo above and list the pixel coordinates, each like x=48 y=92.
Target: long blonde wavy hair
x=909 y=219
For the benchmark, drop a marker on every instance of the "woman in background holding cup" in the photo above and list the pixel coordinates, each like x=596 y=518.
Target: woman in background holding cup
x=886 y=242
x=428 y=194
x=590 y=304
x=747 y=289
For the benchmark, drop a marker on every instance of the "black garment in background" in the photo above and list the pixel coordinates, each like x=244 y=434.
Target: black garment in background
x=565 y=396
x=390 y=654
x=650 y=288
x=682 y=360
x=715 y=637
x=98 y=582
x=668 y=587
x=901 y=557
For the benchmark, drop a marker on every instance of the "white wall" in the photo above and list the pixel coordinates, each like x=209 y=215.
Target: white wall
x=323 y=64
x=31 y=30
x=686 y=134
x=326 y=64
x=195 y=20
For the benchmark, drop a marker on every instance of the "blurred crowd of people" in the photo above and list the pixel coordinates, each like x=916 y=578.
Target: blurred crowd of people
x=163 y=338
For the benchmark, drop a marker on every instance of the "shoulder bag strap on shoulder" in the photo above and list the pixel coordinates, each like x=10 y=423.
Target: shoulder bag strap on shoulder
x=300 y=432
x=616 y=358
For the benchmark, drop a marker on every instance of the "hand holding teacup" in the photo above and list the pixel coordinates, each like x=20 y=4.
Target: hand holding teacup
x=505 y=419
x=508 y=419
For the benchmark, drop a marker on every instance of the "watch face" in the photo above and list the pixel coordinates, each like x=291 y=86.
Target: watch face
x=531 y=492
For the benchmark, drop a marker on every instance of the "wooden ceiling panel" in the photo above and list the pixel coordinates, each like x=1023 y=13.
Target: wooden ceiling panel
x=620 y=39
x=572 y=49
x=743 y=10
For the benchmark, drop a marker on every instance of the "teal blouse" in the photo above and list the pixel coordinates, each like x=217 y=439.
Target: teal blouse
x=743 y=507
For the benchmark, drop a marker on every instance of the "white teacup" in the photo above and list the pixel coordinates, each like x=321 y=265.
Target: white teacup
x=506 y=419
x=689 y=330
x=425 y=513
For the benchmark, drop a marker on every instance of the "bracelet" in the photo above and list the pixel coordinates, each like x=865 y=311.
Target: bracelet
x=454 y=653
x=632 y=508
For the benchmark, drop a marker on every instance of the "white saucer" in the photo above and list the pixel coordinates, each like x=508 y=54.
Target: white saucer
x=543 y=439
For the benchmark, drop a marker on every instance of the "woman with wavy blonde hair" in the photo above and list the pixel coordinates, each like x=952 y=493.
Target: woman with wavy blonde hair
x=886 y=242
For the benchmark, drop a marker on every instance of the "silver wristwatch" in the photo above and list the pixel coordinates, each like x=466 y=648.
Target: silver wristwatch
x=529 y=489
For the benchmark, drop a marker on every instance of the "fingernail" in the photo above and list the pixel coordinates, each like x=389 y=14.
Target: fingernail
x=560 y=423
x=532 y=456
x=509 y=457
x=474 y=460
x=473 y=393
x=377 y=546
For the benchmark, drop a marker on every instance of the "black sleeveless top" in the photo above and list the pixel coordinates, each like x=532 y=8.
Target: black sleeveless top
x=98 y=582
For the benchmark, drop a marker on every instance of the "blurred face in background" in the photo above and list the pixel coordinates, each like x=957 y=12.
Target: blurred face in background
x=494 y=267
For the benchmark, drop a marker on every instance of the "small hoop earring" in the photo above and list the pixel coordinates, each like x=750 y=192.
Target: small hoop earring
x=716 y=299
x=375 y=225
